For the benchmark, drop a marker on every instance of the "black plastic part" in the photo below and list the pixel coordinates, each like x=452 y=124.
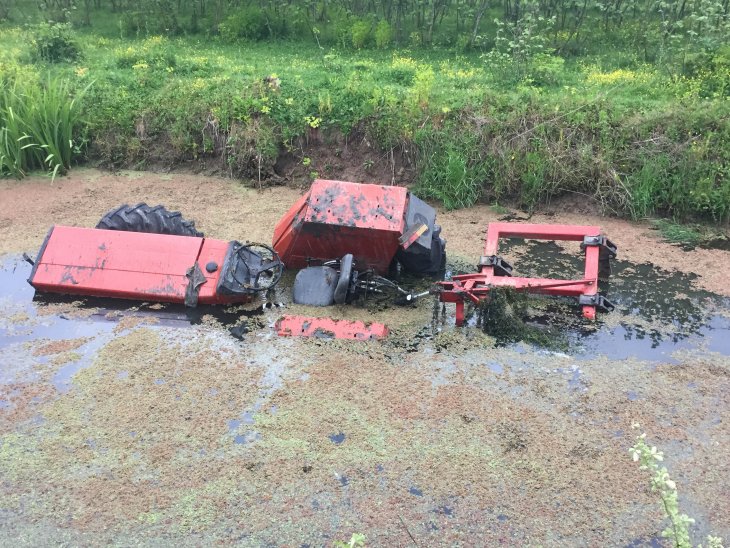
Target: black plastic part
x=416 y=260
x=196 y=278
x=238 y=331
x=243 y=267
x=342 y=289
x=211 y=267
x=501 y=267
x=315 y=286
x=426 y=254
x=597 y=300
x=352 y=290
x=150 y=219
x=39 y=257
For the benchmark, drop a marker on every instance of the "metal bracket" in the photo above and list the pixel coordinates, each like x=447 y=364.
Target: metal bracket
x=607 y=247
x=597 y=300
x=501 y=267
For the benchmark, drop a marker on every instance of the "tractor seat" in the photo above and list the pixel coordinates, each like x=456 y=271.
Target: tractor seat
x=323 y=285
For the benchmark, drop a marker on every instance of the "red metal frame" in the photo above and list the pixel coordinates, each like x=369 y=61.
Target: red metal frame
x=475 y=287
x=305 y=326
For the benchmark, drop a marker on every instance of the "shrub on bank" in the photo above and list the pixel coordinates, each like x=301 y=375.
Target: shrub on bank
x=55 y=43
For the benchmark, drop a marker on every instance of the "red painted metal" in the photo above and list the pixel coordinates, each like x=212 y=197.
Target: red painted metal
x=127 y=265
x=475 y=287
x=327 y=328
x=338 y=217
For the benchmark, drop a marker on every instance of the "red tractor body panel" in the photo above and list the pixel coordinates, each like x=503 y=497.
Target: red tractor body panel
x=128 y=265
x=327 y=328
x=336 y=218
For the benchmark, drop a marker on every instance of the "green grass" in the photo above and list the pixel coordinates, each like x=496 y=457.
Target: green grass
x=690 y=236
x=684 y=235
x=625 y=133
x=38 y=124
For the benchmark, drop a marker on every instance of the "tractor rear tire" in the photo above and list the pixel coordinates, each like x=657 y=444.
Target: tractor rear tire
x=144 y=218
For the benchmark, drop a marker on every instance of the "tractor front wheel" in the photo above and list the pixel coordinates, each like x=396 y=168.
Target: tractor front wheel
x=144 y=218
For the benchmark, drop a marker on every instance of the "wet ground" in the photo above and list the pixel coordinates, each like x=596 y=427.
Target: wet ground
x=144 y=423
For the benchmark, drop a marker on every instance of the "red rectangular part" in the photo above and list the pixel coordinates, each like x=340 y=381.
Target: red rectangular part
x=106 y=263
x=375 y=207
x=337 y=217
x=327 y=328
x=287 y=229
x=213 y=251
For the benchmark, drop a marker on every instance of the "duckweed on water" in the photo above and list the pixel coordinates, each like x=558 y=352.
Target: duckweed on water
x=503 y=315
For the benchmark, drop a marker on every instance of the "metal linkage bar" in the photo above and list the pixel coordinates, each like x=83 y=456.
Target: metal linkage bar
x=494 y=272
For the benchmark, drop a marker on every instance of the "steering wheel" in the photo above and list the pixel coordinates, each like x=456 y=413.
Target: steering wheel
x=263 y=267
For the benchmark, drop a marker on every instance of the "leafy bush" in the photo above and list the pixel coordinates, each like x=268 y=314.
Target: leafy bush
x=133 y=23
x=383 y=34
x=463 y=44
x=360 y=33
x=545 y=69
x=391 y=117
x=158 y=17
x=252 y=148
x=248 y=23
x=423 y=85
x=679 y=528
x=55 y=43
x=711 y=72
x=401 y=75
x=519 y=41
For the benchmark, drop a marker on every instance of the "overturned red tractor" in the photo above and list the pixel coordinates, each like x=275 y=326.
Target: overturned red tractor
x=347 y=239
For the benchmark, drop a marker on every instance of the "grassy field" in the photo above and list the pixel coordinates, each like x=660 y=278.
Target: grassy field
x=635 y=139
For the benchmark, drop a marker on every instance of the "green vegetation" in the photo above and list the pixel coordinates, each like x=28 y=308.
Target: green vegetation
x=357 y=540
x=38 y=123
x=690 y=236
x=55 y=43
x=625 y=103
x=504 y=316
x=678 y=530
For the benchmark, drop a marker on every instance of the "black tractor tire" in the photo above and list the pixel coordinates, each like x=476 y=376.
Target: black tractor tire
x=144 y=218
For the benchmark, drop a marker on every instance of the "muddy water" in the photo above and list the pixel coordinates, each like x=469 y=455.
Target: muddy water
x=138 y=423
x=657 y=311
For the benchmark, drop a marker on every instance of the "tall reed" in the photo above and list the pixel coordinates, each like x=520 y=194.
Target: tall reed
x=38 y=125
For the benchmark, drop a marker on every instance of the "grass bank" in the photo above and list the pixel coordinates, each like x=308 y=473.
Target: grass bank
x=634 y=139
